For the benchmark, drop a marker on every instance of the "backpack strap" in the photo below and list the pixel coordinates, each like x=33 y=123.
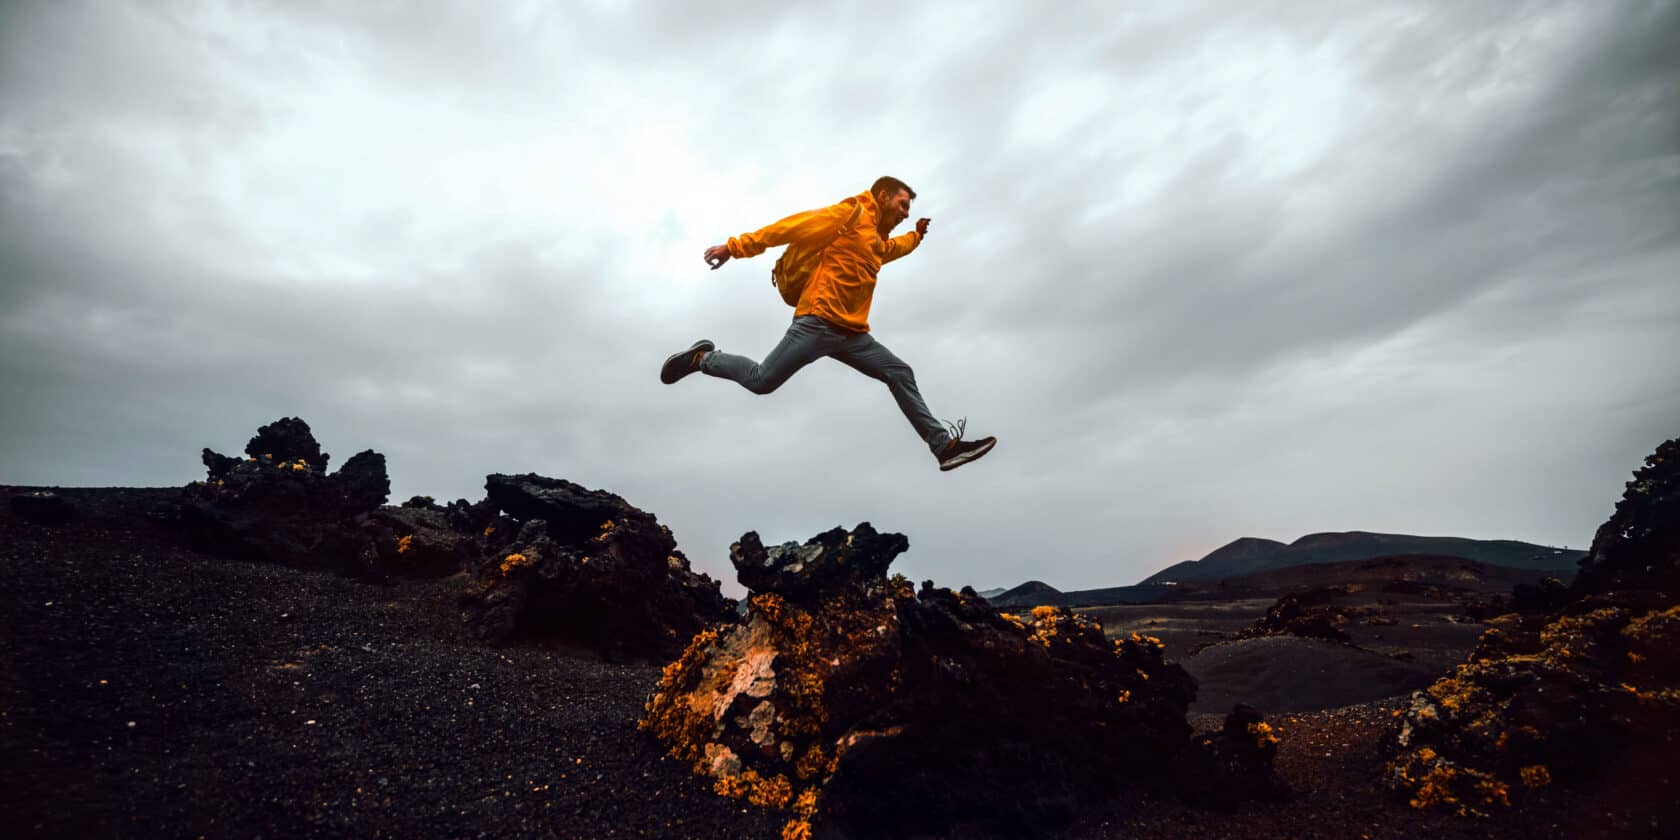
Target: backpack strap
x=857 y=211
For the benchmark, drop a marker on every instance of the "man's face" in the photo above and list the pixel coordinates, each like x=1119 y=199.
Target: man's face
x=893 y=210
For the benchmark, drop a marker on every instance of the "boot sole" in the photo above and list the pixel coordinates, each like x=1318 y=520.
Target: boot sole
x=971 y=455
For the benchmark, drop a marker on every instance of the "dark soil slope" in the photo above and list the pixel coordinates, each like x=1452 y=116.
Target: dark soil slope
x=151 y=692
x=1406 y=573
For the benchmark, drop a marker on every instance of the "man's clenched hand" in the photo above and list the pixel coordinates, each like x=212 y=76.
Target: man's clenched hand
x=922 y=226
x=717 y=255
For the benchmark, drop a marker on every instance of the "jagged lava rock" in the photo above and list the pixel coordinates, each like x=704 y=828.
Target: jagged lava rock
x=279 y=507
x=1300 y=615
x=829 y=560
x=585 y=566
x=1234 y=763
x=288 y=439
x=1579 y=680
x=1638 y=547
x=409 y=541
x=860 y=705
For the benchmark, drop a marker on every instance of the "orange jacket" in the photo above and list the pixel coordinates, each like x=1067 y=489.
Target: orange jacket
x=843 y=283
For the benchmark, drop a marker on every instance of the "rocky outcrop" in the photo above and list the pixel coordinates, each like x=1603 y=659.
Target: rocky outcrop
x=1233 y=764
x=278 y=504
x=414 y=541
x=288 y=439
x=1306 y=614
x=847 y=697
x=1581 y=679
x=583 y=566
x=1638 y=547
x=546 y=558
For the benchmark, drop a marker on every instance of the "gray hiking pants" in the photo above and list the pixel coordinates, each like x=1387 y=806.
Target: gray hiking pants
x=810 y=338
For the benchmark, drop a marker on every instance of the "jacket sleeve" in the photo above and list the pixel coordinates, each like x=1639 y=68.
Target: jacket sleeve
x=901 y=245
x=809 y=226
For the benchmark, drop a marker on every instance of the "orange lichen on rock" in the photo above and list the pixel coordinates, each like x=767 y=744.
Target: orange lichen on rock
x=772 y=792
x=1652 y=634
x=606 y=530
x=679 y=725
x=761 y=689
x=812 y=764
x=514 y=561
x=1437 y=783
x=769 y=605
x=1458 y=691
x=404 y=543
x=1572 y=680
x=1061 y=626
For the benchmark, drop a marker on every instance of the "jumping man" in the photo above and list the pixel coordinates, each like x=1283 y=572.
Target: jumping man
x=831 y=317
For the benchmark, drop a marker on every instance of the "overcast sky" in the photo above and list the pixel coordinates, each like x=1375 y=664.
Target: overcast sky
x=1207 y=270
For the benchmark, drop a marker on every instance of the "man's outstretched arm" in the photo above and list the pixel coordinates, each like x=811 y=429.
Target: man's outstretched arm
x=811 y=225
x=904 y=243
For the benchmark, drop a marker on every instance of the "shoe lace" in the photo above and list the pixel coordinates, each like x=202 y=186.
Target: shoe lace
x=956 y=429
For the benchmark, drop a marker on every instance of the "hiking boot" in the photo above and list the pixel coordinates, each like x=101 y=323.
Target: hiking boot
x=685 y=363
x=959 y=451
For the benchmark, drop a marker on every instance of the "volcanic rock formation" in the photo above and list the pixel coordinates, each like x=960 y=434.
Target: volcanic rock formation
x=1555 y=692
x=1301 y=614
x=279 y=505
x=414 y=541
x=546 y=559
x=585 y=566
x=853 y=701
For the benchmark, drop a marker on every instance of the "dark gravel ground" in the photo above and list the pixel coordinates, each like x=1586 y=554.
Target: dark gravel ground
x=1292 y=674
x=147 y=691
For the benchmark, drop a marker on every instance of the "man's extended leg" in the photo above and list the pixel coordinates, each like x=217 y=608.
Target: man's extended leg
x=808 y=339
x=872 y=358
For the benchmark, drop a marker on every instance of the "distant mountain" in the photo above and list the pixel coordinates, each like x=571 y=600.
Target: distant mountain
x=1387 y=573
x=1245 y=554
x=989 y=594
x=1406 y=572
x=1248 y=554
x=1029 y=594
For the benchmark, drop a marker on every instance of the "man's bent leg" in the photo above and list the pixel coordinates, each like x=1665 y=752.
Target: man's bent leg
x=872 y=358
x=808 y=339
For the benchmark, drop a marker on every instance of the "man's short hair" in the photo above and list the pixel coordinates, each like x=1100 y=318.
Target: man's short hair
x=891 y=185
